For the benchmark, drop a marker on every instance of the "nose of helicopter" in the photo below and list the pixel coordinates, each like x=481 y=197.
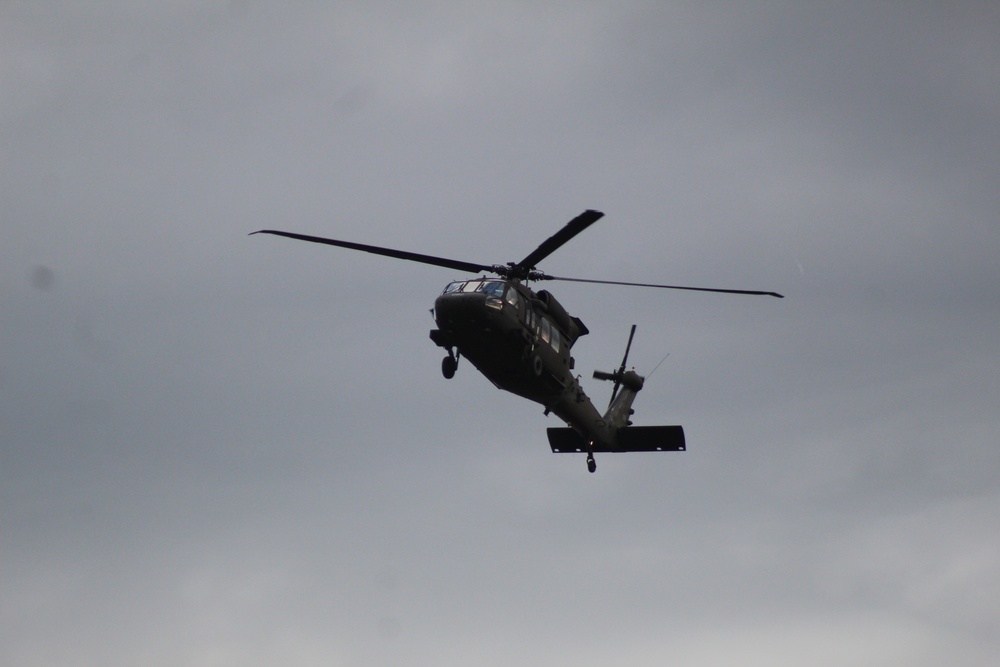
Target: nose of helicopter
x=460 y=307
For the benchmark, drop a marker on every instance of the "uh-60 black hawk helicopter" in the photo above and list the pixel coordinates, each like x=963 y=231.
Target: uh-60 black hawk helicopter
x=521 y=341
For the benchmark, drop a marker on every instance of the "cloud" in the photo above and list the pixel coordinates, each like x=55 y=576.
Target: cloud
x=223 y=449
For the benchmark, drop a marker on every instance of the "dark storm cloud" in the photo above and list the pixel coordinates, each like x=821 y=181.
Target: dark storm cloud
x=221 y=449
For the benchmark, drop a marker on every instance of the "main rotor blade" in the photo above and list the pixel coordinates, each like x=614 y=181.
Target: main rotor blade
x=388 y=252
x=554 y=242
x=693 y=289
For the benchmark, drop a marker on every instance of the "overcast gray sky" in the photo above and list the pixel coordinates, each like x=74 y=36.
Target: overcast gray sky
x=228 y=450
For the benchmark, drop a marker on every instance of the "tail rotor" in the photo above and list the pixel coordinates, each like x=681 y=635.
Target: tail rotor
x=620 y=373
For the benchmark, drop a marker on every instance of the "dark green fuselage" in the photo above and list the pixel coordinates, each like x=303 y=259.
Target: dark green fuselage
x=521 y=341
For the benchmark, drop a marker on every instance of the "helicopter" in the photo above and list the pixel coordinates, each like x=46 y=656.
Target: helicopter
x=521 y=340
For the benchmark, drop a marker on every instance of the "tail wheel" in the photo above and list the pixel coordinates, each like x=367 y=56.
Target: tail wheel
x=448 y=366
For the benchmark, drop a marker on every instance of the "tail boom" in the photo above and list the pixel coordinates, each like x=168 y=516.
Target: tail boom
x=590 y=433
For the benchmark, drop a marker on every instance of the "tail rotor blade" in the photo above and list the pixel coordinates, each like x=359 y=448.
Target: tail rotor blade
x=631 y=334
x=621 y=369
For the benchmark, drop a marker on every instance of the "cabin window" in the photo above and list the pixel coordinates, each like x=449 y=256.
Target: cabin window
x=555 y=339
x=546 y=330
x=494 y=287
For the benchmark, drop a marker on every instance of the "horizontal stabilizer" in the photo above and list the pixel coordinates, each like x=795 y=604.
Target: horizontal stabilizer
x=630 y=439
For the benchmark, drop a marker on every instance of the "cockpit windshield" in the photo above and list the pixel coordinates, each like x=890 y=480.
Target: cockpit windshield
x=491 y=287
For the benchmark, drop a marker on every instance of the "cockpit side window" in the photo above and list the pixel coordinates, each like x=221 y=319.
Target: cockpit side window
x=512 y=297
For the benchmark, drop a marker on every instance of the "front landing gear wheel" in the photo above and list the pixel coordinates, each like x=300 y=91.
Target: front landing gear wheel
x=448 y=366
x=591 y=463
